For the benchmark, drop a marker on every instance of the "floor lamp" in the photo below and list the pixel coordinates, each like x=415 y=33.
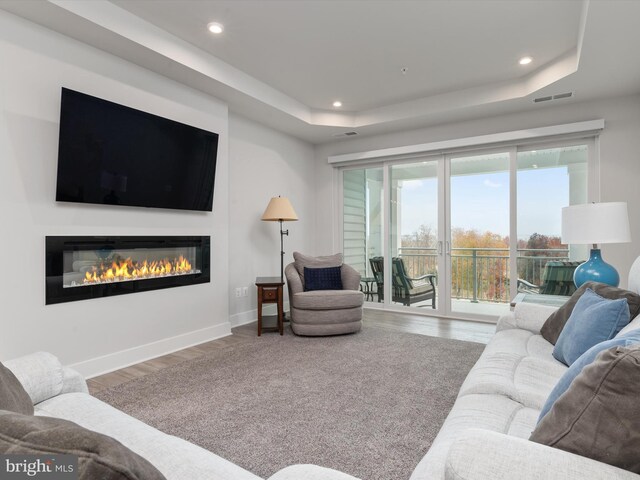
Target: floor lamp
x=594 y=223
x=280 y=210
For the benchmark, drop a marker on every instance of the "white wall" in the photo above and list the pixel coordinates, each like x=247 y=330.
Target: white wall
x=103 y=334
x=619 y=157
x=255 y=162
x=264 y=163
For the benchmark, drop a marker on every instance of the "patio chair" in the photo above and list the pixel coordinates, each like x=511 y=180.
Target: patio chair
x=557 y=279
x=404 y=289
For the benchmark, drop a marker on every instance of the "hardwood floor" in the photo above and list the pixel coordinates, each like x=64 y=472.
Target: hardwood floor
x=469 y=331
x=397 y=322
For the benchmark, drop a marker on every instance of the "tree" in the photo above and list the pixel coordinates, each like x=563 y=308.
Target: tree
x=424 y=237
x=538 y=241
x=418 y=250
x=488 y=251
x=537 y=245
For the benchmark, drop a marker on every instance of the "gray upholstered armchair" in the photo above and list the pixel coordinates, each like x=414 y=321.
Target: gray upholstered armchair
x=324 y=312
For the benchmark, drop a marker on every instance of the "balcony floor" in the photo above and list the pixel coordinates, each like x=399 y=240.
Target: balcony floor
x=481 y=308
x=467 y=308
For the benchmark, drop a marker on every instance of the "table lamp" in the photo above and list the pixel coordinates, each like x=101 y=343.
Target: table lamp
x=594 y=223
x=280 y=210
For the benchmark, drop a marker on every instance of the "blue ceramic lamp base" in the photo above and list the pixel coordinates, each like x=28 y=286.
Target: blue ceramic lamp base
x=596 y=270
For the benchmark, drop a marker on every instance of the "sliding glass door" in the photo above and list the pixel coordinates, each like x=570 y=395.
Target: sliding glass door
x=462 y=234
x=548 y=179
x=415 y=234
x=479 y=203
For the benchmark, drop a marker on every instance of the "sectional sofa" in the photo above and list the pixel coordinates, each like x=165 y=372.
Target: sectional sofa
x=485 y=435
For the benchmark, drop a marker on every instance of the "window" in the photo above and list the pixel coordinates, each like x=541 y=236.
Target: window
x=481 y=225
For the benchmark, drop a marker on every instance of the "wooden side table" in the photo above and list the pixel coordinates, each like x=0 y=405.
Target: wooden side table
x=270 y=291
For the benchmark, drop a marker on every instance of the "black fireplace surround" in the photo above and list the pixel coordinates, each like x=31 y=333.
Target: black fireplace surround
x=85 y=267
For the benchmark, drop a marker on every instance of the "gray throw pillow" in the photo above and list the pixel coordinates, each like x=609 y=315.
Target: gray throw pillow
x=301 y=261
x=555 y=323
x=599 y=415
x=13 y=396
x=99 y=456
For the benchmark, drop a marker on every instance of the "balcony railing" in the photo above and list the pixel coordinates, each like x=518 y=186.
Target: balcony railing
x=482 y=274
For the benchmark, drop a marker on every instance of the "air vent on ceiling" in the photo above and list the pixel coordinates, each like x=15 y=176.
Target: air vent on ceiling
x=345 y=134
x=553 y=97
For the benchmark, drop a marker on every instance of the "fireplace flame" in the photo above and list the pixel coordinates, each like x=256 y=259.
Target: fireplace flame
x=129 y=270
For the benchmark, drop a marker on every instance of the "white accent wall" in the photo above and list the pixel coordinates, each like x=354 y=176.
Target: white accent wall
x=619 y=147
x=263 y=164
x=100 y=335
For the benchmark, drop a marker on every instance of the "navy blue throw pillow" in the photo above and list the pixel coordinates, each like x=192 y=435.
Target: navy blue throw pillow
x=322 y=279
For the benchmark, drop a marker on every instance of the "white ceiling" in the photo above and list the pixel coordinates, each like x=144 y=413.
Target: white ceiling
x=318 y=51
x=284 y=62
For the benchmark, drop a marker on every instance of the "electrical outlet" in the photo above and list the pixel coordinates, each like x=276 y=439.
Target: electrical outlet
x=245 y=291
x=238 y=292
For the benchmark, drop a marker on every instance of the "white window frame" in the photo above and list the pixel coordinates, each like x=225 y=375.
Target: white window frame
x=582 y=133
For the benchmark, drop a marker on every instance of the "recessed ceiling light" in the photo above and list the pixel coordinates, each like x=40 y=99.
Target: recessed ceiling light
x=525 y=60
x=215 y=27
x=337 y=103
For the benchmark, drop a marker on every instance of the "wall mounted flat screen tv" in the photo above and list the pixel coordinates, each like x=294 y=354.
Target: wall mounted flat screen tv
x=116 y=155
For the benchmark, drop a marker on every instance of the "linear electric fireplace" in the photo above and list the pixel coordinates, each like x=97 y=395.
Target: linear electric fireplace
x=80 y=268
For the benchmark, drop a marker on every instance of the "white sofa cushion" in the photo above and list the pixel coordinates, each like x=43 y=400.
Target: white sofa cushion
x=518 y=365
x=483 y=455
x=632 y=325
x=41 y=374
x=526 y=316
x=177 y=459
x=489 y=412
x=309 y=472
x=522 y=343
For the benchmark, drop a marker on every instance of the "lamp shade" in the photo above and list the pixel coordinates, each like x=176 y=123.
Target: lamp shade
x=279 y=208
x=596 y=223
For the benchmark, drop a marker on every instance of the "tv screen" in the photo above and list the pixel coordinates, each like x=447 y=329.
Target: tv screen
x=116 y=155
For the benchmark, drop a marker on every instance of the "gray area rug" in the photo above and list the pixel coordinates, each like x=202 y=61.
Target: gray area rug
x=368 y=404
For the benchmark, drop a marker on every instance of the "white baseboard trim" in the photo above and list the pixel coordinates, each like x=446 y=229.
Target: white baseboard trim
x=249 y=316
x=243 y=318
x=124 y=358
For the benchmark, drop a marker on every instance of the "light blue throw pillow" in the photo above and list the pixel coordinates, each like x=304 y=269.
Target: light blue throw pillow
x=631 y=338
x=594 y=319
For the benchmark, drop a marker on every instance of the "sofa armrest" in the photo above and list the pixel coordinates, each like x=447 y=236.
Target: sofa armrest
x=486 y=455
x=73 y=381
x=43 y=376
x=527 y=316
x=309 y=472
x=350 y=277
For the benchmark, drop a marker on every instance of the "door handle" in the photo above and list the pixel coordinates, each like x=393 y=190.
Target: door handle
x=439 y=249
x=448 y=247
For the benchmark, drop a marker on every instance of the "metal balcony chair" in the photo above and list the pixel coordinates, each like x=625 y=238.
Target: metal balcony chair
x=404 y=289
x=557 y=279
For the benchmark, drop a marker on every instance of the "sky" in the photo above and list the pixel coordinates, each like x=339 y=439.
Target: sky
x=481 y=202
